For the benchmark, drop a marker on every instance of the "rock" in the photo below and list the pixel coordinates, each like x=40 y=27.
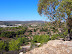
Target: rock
x=61 y=38
x=23 y=50
x=37 y=44
x=67 y=38
x=53 y=47
x=26 y=47
x=21 y=53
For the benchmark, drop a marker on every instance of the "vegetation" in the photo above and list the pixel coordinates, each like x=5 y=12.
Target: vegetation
x=8 y=34
x=43 y=29
x=11 y=34
x=13 y=44
x=34 y=30
x=17 y=36
x=40 y=38
x=57 y=10
x=3 y=45
x=65 y=33
x=56 y=36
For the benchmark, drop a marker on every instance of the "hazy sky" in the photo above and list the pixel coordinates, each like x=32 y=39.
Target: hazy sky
x=21 y=10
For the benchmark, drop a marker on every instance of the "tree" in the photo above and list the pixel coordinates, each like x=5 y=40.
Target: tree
x=3 y=45
x=56 y=10
x=15 y=44
x=40 y=38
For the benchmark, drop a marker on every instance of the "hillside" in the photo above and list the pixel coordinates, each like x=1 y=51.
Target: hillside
x=53 y=47
x=18 y=22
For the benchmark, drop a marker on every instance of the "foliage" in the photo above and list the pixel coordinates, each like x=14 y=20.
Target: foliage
x=65 y=33
x=34 y=30
x=49 y=33
x=55 y=30
x=8 y=34
x=3 y=45
x=43 y=29
x=15 y=44
x=40 y=39
x=21 y=31
x=1 y=29
x=53 y=37
x=57 y=10
x=11 y=34
x=29 y=30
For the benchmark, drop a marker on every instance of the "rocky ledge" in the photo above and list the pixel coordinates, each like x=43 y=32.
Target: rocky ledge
x=53 y=47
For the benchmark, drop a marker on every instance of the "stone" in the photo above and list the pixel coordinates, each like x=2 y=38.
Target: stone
x=53 y=47
x=21 y=53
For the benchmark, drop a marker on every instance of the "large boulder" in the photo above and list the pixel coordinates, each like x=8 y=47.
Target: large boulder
x=53 y=47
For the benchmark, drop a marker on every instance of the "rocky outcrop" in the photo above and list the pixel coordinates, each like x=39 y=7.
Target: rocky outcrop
x=53 y=47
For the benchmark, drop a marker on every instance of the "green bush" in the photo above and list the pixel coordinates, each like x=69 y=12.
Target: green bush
x=22 y=40
x=53 y=37
x=65 y=33
x=3 y=45
x=55 y=30
x=30 y=31
x=21 y=31
x=49 y=33
x=1 y=29
x=40 y=39
x=34 y=30
x=15 y=44
x=8 y=34
x=43 y=29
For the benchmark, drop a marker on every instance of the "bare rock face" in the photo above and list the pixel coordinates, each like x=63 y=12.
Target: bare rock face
x=53 y=47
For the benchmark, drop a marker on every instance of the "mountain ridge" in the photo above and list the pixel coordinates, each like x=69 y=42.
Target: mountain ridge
x=18 y=22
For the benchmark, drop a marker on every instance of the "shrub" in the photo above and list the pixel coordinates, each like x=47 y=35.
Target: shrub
x=40 y=39
x=34 y=30
x=8 y=34
x=53 y=37
x=44 y=29
x=65 y=33
x=20 y=31
x=3 y=45
x=15 y=44
x=30 y=31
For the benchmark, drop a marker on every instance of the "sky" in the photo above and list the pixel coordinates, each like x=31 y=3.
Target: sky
x=19 y=10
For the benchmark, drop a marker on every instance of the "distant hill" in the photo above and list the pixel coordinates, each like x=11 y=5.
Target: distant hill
x=18 y=22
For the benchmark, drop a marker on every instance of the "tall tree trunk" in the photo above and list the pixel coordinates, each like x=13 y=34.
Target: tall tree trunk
x=69 y=24
x=69 y=34
x=68 y=37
